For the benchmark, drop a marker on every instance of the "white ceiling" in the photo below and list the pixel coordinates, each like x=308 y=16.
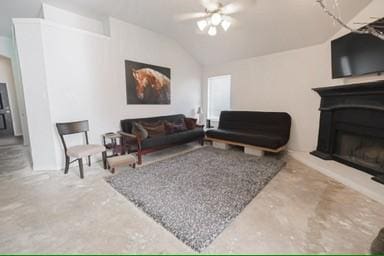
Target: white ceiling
x=17 y=9
x=263 y=27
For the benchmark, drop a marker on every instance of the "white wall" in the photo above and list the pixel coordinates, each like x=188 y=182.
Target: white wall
x=6 y=76
x=70 y=19
x=5 y=47
x=28 y=33
x=130 y=42
x=82 y=76
x=19 y=90
x=283 y=82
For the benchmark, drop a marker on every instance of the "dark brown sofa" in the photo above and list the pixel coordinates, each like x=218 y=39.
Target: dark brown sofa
x=142 y=146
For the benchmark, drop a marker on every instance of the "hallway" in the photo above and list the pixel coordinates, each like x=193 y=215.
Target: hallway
x=13 y=155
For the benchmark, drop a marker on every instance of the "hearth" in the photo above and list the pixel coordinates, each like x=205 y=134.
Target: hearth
x=352 y=126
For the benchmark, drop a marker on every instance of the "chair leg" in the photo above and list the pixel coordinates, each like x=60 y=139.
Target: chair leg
x=105 y=159
x=81 y=168
x=66 y=165
x=89 y=161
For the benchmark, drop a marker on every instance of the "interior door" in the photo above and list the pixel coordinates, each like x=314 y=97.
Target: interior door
x=6 y=128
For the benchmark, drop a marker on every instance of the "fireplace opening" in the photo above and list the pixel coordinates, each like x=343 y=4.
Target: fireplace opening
x=360 y=150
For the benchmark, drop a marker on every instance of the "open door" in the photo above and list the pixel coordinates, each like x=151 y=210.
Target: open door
x=6 y=128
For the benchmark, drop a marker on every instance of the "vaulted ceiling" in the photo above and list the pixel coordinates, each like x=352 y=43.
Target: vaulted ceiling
x=262 y=27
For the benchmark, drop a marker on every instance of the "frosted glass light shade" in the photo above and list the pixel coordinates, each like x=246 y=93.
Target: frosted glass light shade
x=212 y=31
x=216 y=19
x=202 y=24
x=225 y=24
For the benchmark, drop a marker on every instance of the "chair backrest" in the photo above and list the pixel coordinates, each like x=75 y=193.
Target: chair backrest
x=72 y=128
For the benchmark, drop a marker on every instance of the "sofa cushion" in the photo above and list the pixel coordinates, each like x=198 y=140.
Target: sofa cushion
x=276 y=123
x=85 y=150
x=190 y=123
x=126 y=124
x=267 y=140
x=174 y=127
x=176 y=138
x=154 y=129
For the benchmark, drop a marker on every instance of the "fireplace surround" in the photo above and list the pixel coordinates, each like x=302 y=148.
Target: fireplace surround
x=351 y=129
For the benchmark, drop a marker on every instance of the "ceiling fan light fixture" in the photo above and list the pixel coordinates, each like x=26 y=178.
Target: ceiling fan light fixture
x=215 y=16
x=202 y=24
x=216 y=19
x=212 y=31
x=225 y=24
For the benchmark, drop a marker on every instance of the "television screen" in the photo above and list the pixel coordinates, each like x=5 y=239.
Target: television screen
x=357 y=54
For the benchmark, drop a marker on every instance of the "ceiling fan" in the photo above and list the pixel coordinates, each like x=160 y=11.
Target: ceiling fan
x=215 y=15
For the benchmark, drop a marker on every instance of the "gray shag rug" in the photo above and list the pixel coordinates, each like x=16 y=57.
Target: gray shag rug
x=197 y=194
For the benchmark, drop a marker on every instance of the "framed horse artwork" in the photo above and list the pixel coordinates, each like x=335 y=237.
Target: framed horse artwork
x=147 y=84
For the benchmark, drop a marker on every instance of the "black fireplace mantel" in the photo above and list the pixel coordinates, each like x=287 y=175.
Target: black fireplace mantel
x=364 y=95
x=351 y=89
x=356 y=108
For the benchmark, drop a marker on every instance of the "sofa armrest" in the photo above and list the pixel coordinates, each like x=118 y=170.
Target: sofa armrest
x=129 y=138
x=128 y=135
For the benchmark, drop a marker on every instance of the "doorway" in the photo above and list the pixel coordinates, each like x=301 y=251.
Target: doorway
x=6 y=127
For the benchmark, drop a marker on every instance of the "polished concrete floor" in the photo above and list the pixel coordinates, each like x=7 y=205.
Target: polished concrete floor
x=11 y=140
x=299 y=211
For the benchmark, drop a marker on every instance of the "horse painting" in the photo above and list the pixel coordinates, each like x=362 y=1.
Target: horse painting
x=147 y=84
x=155 y=81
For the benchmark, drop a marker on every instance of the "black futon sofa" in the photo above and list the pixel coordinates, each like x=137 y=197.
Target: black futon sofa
x=268 y=131
x=142 y=146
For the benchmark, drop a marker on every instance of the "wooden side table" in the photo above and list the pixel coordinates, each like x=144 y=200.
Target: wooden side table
x=112 y=142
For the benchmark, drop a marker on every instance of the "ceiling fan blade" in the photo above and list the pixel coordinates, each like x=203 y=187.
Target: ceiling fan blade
x=234 y=22
x=236 y=7
x=210 y=5
x=190 y=16
x=232 y=8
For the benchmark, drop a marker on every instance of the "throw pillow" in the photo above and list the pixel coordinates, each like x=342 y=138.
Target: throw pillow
x=180 y=125
x=175 y=126
x=169 y=127
x=154 y=129
x=190 y=123
x=139 y=131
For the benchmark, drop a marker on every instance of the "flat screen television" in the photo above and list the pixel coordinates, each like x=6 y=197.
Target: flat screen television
x=357 y=54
